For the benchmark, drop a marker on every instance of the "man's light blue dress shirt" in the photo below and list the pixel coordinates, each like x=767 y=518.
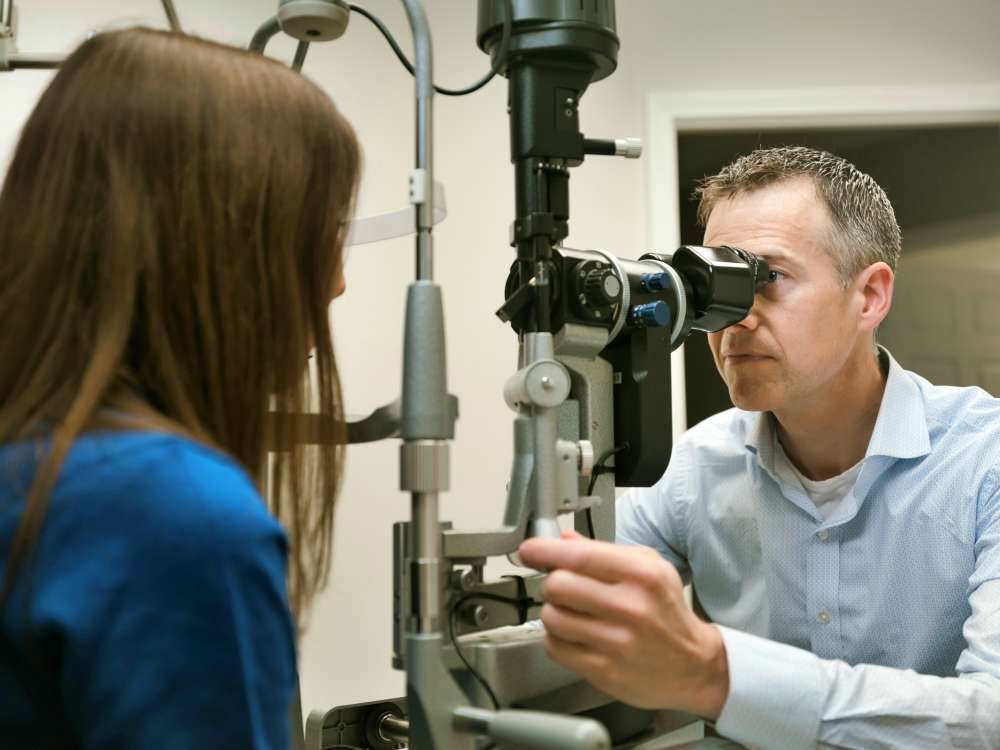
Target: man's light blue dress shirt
x=877 y=628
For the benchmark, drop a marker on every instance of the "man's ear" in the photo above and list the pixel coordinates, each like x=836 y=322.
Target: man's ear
x=874 y=284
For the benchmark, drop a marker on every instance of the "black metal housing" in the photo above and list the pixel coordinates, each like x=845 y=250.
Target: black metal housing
x=556 y=50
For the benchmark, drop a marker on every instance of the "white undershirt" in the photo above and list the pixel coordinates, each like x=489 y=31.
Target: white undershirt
x=826 y=494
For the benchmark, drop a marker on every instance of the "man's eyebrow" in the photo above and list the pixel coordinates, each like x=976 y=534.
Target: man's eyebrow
x=776 y=256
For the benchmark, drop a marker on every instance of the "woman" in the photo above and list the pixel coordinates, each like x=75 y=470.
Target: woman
x=171 y=233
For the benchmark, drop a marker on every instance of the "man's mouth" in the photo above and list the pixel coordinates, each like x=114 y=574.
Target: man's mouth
x=745 y=357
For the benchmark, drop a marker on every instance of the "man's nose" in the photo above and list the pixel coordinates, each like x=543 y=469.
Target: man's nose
x=752 y=320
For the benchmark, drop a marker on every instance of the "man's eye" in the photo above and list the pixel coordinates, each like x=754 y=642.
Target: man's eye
x=775 y=276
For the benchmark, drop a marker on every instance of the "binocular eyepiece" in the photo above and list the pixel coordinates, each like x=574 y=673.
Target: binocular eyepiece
x=694 y=288
x=716 y=286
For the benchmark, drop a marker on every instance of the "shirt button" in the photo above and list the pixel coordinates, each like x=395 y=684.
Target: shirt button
x=823 y=616
x=823 y=535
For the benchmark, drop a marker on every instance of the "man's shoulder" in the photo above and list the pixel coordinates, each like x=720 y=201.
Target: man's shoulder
x=958 y=409
x=704 y=461
x=963 y=429
x=721 y=436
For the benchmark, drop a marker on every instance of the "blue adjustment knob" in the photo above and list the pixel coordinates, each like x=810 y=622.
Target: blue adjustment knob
x=651 y=314
x=655 y=282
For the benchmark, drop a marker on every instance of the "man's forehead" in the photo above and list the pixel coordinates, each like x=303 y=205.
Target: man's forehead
x=789 y=193
x=784 y=220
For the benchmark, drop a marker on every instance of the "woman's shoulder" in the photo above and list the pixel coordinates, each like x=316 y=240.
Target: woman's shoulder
x=168 y=481
x=151 y=490
x=151 y=517
x=158 y=565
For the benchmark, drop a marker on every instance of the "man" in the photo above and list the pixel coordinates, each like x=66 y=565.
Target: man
x=841 y=525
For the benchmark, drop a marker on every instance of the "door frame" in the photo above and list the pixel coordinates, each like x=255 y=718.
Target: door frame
x=670 y=113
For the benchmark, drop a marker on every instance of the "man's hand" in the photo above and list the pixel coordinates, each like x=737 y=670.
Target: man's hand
x=616 y=616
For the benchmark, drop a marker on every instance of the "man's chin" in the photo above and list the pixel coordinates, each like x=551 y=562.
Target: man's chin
x=752 y=399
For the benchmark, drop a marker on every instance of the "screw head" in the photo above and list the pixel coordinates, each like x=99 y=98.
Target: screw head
x=476 y=615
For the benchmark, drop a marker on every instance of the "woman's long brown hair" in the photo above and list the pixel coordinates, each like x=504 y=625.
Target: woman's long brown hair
x=171 y=233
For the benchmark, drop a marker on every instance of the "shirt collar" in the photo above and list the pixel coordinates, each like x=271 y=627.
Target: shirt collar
x=900 y=428
x=759 y=437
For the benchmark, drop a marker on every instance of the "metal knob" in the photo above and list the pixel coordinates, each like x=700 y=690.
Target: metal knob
x=630 y=148
x=655 y=282
x=650 y=315
x=475 y=615
x=602 y=287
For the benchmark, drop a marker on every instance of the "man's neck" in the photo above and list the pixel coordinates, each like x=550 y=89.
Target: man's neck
x=828 y=435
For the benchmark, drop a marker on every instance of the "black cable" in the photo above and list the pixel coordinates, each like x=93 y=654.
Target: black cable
x=590 y=525
x=494 y=66
x=453 y=615
x=522 y=598
x=600 y=468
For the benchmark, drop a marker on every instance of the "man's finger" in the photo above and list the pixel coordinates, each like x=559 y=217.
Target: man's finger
x=588 y=632
x=585 y=662
x=601 y=560
x=587 y=596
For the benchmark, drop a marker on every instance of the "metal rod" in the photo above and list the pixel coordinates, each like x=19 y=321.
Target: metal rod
x=300 y=56
x=393 y=728
x=6 y=13
x=426 y=528
x=34 y=62
x=175 y=23
x=546 y=424
x=263 y=35
x=426 y=572
x=423 y=64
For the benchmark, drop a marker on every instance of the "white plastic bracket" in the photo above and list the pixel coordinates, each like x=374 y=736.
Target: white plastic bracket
x=420 y=186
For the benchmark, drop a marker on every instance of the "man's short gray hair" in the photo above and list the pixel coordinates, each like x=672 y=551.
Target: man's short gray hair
x=864 y=225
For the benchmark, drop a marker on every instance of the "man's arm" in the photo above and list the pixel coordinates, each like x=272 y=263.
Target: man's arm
x=785 y=697
x=657 y=516
x=612 y=615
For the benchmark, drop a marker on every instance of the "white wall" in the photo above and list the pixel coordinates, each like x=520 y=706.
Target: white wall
x=667 y=45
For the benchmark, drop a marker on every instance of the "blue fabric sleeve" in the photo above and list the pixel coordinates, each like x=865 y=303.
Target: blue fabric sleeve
x=167 y=594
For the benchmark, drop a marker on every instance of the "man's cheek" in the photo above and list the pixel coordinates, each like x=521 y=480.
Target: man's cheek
x=714 y=344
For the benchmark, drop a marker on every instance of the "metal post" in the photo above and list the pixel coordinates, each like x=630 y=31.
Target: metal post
x=423 y=65
x=34 y=62
x=172 y=19
x=426 y=531
x=300 y=56
x=263 y=35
